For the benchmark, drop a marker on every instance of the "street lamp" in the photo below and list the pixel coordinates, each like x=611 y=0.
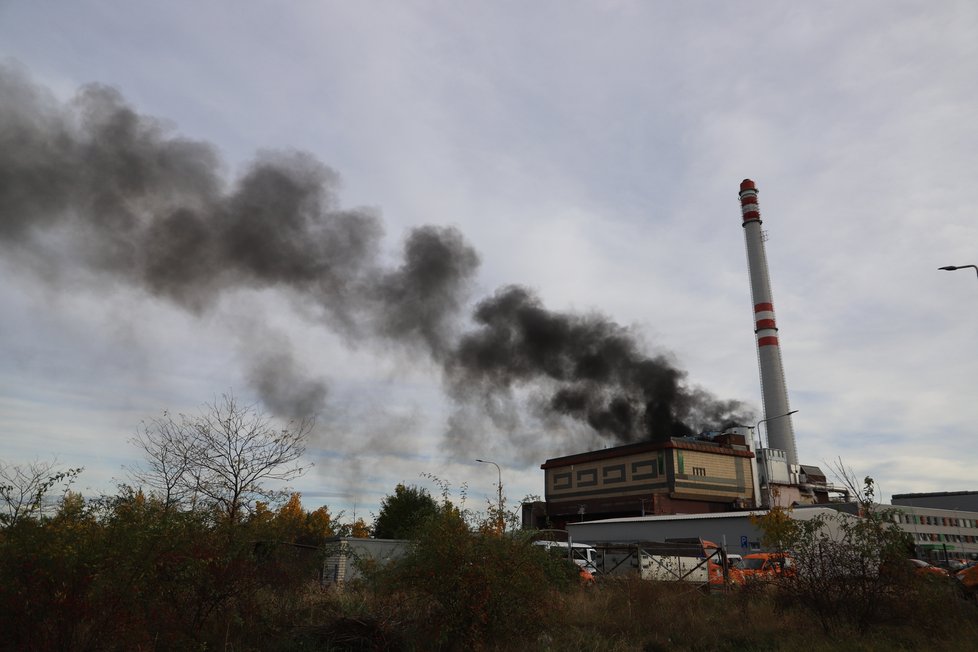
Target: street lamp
x=951 y=268
x=757 y=425
x=499 y=485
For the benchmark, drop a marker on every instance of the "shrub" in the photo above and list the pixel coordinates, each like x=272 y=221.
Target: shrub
x=849 y=570
x=459 y=589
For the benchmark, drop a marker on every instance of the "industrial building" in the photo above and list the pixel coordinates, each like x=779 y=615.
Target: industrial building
x=954 y=500
x=711 y=473
x=680 y=475
x=711 y=485
x=938 y=534
x=733 y=531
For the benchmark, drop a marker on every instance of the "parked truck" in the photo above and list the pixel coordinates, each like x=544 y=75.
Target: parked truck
x=582 y=554
x=763 y=566
x=679 y=560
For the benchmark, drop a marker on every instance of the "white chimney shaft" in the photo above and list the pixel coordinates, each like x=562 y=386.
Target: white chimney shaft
x=780 y=432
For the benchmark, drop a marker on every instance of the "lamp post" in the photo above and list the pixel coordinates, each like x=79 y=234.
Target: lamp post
x=951 y=268
x=499 y=485
x=757 y=425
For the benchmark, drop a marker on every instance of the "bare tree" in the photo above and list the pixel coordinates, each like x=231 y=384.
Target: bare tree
x=222 y=458
x=168 y=470
x=24 y=488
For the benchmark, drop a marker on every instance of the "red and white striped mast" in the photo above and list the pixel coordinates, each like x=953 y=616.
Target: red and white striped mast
x=780 y=432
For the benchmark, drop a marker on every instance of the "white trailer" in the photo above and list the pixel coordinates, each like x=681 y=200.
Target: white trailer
x=690 y=561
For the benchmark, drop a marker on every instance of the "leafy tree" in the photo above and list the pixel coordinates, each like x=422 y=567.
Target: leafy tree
x=403 y=512
x=359 y=529
x=317 y=526
x=290 y=518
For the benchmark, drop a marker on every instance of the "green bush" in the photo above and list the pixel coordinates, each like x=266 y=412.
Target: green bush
x=460 y=589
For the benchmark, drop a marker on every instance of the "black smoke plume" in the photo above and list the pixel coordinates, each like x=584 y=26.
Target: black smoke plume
x=591 y=369
x=93 y=186
x=128 y=199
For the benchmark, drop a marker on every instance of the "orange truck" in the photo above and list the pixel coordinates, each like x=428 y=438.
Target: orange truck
x=762 y=566
x=969 y=579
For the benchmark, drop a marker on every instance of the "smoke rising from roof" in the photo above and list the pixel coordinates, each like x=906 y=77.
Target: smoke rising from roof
x=93 y=185
x=592 y=368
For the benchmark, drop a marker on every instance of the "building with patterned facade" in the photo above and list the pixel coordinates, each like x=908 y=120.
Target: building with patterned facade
x=675 y=476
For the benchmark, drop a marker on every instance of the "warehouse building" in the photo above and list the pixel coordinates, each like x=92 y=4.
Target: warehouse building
x=733 y=531
x=954 y=500
x=679 y=475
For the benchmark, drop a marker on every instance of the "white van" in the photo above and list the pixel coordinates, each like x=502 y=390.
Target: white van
x=581 y=554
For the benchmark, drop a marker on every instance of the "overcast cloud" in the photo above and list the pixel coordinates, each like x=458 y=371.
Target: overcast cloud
x=589 y=153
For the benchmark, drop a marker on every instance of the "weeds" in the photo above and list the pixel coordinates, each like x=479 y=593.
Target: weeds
x=133 y=574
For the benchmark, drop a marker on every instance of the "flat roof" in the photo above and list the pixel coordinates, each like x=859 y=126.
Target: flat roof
x=935 y=494
x=801 y=514
x=673 y=517
x=642 y=447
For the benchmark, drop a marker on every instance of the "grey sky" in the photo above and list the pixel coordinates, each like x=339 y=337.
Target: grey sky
x=591 y=152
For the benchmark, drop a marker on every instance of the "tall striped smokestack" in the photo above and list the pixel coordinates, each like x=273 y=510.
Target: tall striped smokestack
x=780 y=433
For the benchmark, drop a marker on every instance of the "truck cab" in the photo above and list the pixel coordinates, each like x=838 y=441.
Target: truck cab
x=764 y=566
x=581 y=554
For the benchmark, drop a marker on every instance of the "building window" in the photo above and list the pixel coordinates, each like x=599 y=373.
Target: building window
x=587 y=478
x=699 y=470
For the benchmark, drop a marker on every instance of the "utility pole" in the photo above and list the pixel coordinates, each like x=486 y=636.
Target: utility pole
x=499 y=485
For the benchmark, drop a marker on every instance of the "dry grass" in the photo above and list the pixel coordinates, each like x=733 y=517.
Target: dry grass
x=641 y=616
x=631 y=615
x=619 y=616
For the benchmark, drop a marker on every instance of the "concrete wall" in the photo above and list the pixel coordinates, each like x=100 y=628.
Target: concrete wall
x=345 y=554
